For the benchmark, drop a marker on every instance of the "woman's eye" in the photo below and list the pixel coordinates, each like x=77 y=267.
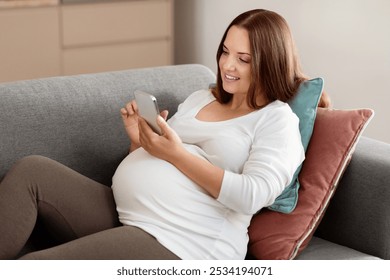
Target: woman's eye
x=243 y=60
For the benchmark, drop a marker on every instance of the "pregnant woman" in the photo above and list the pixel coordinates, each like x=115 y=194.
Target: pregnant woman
x=189 y=193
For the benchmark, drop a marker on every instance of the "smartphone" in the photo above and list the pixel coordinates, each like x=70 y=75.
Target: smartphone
x=148 y=109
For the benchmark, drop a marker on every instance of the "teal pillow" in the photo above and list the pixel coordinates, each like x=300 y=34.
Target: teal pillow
x=304 y=105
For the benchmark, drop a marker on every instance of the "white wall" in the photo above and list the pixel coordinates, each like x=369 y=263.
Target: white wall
x=347 y=42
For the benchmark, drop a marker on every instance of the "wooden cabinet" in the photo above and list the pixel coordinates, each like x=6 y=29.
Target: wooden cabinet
x=29 y=43
x=85 y=38
x=111 y=36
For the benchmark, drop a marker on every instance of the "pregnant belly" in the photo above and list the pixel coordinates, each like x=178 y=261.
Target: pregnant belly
x=149 y=189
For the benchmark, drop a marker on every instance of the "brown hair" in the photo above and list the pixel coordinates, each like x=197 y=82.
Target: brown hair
x=275 y=66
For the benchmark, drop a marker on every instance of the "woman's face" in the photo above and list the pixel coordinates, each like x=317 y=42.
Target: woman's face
x=235 y=61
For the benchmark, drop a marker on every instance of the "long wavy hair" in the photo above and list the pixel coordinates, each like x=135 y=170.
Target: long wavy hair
x=275 y=66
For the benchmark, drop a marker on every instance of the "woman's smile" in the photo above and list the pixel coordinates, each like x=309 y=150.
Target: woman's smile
x=231 y=78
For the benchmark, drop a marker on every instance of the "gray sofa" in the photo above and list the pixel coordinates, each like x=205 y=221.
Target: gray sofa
x=75 y=120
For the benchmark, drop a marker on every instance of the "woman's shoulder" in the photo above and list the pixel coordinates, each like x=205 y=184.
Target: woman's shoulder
x=197 y=98
x=279 y=108
x=194 y=101
x=200 y=95
x=278 y=113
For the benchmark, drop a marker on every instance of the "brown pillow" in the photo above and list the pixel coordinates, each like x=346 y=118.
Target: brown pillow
x=274 y=235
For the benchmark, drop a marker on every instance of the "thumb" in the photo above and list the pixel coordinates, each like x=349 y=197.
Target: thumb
x=164 y=114
x=165 y=129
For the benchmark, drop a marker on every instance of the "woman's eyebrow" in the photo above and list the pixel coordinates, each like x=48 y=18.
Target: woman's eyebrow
x=224 y=46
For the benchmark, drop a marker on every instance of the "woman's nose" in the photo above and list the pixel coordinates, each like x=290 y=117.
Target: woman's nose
x=229 y=63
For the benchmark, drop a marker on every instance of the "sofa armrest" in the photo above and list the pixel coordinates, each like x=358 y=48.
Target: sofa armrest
x=359 y=213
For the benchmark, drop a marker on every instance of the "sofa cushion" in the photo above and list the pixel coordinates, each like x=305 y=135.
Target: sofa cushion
x=275 y=235
x=321 y=249
x=76 y=119
x=304 y=105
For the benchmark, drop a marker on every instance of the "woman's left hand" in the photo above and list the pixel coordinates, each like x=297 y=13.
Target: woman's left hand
x=169 y=147
x=165 y=146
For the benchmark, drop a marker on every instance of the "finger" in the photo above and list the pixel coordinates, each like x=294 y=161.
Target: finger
x=132 y=108
x=123 y=112
x=129 y=109
x=145 y=134
x=165 y=129
x=164 y=114
x=144 y=128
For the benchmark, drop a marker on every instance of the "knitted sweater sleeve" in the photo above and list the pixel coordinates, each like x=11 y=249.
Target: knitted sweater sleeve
x=274 y=156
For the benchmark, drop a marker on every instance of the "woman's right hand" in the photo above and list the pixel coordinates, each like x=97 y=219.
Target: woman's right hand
x=130 y=120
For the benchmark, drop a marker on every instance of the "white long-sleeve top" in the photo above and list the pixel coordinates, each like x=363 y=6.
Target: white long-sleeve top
x=259 y=152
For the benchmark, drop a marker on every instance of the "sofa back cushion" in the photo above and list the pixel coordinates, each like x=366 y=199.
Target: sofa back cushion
x=75 y=119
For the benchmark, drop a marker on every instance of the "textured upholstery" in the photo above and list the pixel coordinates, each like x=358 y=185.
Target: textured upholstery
x=76 y=121
x=321 y=249
x=359 y=214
